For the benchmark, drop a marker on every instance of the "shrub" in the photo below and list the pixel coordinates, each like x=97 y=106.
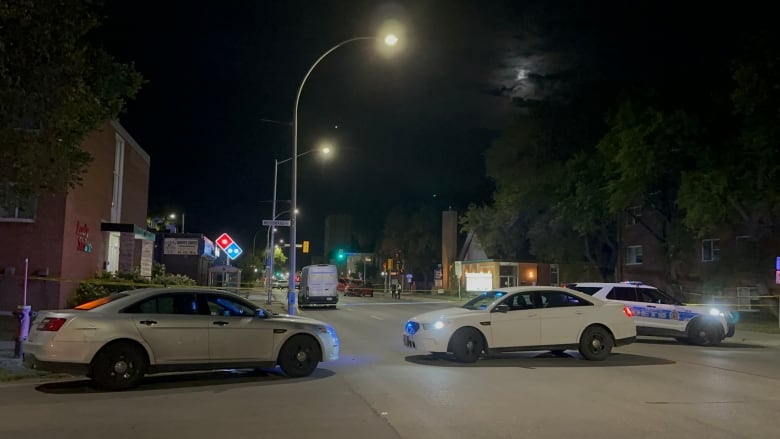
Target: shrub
x=104 y=284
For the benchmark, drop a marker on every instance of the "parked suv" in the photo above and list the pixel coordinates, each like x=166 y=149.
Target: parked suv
x=661 y=315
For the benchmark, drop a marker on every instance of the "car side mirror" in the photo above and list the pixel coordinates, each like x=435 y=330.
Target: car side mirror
x=502 y=308
x=262 y=313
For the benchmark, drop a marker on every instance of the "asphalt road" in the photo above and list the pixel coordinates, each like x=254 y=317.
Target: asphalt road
x=380 y=389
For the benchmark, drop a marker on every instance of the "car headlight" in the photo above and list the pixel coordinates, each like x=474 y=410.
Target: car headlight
x=435 y=325
x=716 y=312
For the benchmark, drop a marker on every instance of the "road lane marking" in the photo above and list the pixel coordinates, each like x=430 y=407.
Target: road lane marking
x=375 y=317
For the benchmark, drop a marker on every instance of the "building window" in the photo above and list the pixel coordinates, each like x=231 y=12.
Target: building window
x=632 y=213
x=15 y=207
x=710 y=250
x=633 y=255
x=554 y=279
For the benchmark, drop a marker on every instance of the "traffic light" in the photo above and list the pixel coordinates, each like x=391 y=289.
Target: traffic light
x=305 y=246
x=340 y=256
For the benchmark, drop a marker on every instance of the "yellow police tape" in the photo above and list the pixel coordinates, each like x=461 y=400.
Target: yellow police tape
x=119 y=282
x=252 y=286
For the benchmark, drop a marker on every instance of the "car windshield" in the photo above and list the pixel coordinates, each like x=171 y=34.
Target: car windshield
x=483 y=300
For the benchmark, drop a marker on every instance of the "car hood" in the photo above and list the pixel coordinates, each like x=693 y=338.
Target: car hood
x=297 y=319
x=445 y=314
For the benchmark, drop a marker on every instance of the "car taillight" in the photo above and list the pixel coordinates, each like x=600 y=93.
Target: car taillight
x=628 y=311
x=51 y=324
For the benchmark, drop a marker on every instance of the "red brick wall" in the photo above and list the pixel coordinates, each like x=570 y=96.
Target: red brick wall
x=52 y=242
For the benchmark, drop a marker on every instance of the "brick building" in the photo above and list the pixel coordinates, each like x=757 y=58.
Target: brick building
x=68 y=237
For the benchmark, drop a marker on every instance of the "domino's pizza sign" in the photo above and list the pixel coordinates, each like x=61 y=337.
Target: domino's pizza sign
x=226 y=243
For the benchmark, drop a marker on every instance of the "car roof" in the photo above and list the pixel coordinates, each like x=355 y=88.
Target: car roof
x=611 y=284
x=535 y=288
x=141 y=293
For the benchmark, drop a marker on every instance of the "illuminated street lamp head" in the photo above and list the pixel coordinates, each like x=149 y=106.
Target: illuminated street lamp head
x=391 y=40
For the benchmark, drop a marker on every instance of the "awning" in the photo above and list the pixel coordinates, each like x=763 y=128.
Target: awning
x=138 y=232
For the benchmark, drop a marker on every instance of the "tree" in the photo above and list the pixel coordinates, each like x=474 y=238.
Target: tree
x=648 y=148
x=55 y=88
x=737 y=187
x=413 y=232
x=543 y=170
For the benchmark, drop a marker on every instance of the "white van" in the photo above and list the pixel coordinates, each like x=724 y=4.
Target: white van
x=319 y=285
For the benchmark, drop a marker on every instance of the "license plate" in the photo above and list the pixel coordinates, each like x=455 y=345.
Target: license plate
x=329 y=298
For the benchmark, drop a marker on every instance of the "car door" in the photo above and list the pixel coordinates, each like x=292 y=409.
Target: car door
x=516 y=325
x=663 y=311
x=170 y=324
x=235 y=332
x=628 y=295
x=562 y=317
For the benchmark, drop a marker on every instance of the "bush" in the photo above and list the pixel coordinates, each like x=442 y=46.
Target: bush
x=105 y=284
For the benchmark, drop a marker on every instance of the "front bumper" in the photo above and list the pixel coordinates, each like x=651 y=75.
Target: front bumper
x=331 y=346
x=427 y=344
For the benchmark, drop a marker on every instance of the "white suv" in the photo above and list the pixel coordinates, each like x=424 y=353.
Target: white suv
x=661 y=315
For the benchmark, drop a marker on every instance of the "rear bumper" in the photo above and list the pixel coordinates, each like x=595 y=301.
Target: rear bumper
x=320 y=300
x=32 y=362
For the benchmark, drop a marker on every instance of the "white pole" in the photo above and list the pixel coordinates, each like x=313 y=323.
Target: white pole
x=270 y=253
x=292 y=296
x=26 y=267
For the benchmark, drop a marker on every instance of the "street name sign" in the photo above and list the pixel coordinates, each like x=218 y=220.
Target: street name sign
x=276 y=223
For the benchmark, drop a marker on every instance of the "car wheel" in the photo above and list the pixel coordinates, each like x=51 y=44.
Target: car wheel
x=595 y=343
x=704 y=333
x=299 y=356
x=467 y=345
x=119 y=366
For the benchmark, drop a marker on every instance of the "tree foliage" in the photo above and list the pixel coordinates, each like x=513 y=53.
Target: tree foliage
x=700 y=158
x=55 y=88
x=545 y=171
x=413 y=233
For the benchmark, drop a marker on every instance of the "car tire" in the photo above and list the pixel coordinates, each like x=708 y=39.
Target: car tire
x=467 y=345
x=119 y=366
x=595 y=343
x=299 y=356
x=704 y=333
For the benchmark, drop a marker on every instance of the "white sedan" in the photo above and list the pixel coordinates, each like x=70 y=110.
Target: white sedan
x=524 y=319
x=117 y=339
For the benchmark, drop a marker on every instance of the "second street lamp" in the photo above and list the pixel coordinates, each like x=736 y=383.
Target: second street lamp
x=324 y=150
x=389 y=40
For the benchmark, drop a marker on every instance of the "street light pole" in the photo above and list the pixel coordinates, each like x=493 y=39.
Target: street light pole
x=269 y=254
x=292 y=304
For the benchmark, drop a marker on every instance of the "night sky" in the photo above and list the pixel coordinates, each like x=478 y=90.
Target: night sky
x=408 y=129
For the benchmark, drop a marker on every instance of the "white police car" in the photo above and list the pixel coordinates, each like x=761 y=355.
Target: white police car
x=661 y=315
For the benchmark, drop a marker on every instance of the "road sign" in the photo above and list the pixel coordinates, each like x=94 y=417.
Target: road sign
x=458 y=268
x=224 y=241
x=233 y=251
x=276 y=223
